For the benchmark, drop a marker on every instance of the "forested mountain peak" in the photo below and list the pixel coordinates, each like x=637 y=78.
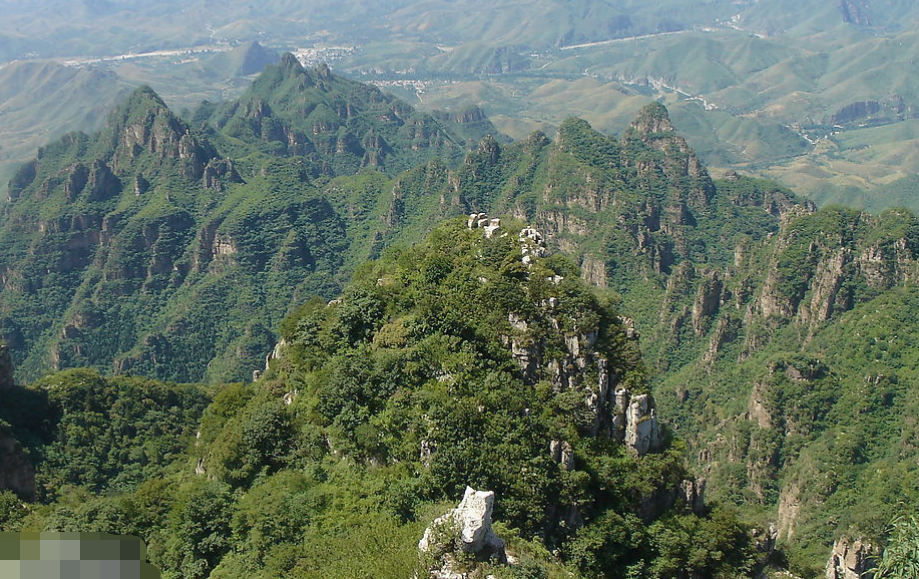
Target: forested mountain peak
x=652 y=119
x=145 y=127
x=154 y=204
x=340 y=124
x=474 y=357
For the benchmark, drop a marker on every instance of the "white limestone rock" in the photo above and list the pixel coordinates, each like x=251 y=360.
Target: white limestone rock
x=642 y=429
x=466 y=529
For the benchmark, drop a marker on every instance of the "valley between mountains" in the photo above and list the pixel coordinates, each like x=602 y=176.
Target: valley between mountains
x=277 y=336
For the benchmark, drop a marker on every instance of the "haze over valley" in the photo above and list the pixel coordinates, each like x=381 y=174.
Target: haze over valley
x=820 y=97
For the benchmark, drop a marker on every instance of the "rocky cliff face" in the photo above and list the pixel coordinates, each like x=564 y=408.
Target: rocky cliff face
x=765 y=328
x=144 y=128
x=642 y=431
x=614 y=412
x=850 y=559
x=817 y=266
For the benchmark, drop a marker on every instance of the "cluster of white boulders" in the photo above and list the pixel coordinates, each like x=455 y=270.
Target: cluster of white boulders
x=532 y=243
x=481 y=221
x=466 y=530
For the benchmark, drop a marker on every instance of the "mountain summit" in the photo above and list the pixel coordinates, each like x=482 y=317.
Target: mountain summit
x=339 y=124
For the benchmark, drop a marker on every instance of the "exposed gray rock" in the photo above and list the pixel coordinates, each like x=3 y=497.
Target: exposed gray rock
x=532 y=244
x=427 y=450
x=709 y=298
x=693 y=493
x=481 y=221
x=276 y=353
x=562 y=453
x=789 y=508
x=493 y=226
x=464 y=530
x=593 y=271
x=756 y=407
x=620 y=409
x=882 y=265
x=634 y=422
x=141 y=185
x=629 y=324
x=849 y=559
x=475 y=219
x=103 y=184
x=828 y=279
x=524 y=351
x=642 y=429
x=726 y=331
x=219 y=171
x=471 y=521
x=765 y=539
x=517 y=322
x=77 y=177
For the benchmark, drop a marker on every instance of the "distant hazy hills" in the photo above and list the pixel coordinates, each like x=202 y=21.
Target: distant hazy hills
x=41 y=101
x=819 y=95
x=53 y=26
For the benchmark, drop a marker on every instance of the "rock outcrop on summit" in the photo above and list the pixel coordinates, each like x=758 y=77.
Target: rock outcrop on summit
x=616 y=412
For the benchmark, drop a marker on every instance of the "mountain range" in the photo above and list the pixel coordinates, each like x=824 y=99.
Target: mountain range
x=818 y=96
x=149 y=214
x=774 y=336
